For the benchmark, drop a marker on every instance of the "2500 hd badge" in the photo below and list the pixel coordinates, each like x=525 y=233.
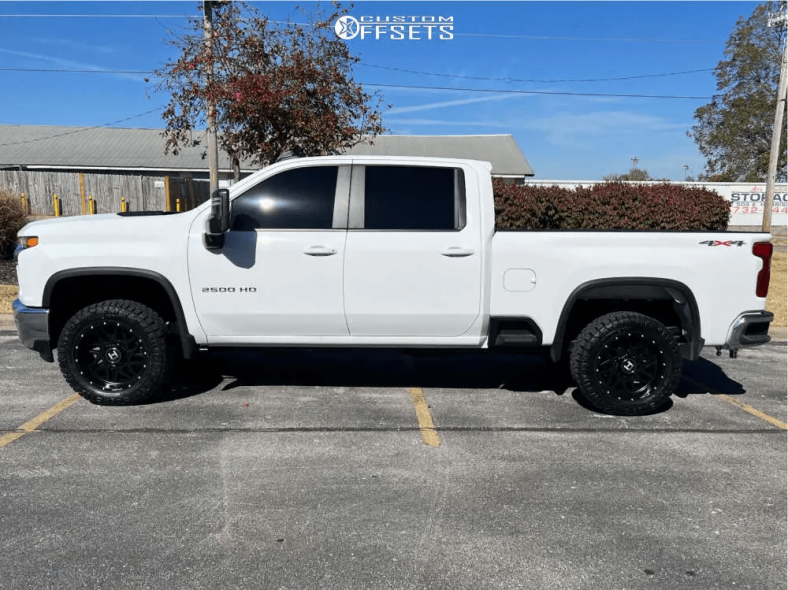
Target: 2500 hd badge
x=229 y=289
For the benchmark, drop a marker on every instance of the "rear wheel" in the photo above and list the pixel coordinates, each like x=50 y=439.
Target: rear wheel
x=115 y=353
x=626 y=363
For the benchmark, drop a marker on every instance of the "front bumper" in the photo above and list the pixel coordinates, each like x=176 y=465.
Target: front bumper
x=751 y=328
x=32 y=323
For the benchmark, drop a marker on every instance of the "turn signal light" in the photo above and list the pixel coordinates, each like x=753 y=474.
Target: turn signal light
x=28 y=242
x=763 y=250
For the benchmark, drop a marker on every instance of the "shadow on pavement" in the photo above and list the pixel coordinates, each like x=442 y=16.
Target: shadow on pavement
x=413 y=368
x=703 y=376
x=366 y=368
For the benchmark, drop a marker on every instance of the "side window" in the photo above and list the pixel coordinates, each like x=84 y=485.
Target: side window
x=414 y=198
x=302 y=198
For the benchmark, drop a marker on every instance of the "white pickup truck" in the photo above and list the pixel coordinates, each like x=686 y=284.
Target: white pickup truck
x=391 y=252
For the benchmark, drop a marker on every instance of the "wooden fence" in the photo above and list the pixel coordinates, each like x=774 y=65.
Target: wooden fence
x=109 y=192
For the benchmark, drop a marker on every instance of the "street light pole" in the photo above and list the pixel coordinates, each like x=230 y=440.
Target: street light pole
x=213 y=148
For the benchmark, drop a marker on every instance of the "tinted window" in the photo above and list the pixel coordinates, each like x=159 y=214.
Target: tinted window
x=296 y=199
x=410 y=197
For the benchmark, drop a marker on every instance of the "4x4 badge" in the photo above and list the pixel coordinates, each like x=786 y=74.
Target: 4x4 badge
x=719 y=243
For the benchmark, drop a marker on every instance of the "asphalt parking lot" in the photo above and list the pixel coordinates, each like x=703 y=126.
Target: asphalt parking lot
x=377 y=469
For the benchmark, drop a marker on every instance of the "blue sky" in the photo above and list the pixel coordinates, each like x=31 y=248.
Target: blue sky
x=573 y=124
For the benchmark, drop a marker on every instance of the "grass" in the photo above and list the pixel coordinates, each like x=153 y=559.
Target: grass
x=776 y=302
x=7 y=296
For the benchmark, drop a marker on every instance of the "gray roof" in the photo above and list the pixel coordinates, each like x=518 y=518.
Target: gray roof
x=500 y=150
x=35 y=146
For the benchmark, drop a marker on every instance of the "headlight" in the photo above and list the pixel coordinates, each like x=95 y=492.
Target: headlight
x=28 y=242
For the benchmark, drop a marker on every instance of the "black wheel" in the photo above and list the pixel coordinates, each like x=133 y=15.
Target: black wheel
x=626 y=363
x=115 y=353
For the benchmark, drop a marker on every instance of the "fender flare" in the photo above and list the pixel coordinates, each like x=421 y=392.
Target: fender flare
x=188 y=342
x=638 y=288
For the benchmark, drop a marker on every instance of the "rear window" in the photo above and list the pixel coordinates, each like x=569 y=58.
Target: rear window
x=414 y=198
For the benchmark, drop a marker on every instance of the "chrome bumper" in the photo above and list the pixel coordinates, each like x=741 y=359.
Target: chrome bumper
x=751 y=328
x=32 y=323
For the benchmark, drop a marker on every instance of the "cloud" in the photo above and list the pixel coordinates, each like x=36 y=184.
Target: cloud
x=446 y=104
x=590 y=129
x=71 y=44
x=69 y=65
x=443 y=122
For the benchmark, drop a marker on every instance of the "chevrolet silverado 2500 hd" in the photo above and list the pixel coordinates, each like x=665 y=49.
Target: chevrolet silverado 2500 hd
x=389 y=252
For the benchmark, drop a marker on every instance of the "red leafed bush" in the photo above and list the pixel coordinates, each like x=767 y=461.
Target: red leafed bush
x=12 y=219
x=610 y=206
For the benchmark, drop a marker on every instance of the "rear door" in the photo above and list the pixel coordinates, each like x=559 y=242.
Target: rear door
x=413 y=254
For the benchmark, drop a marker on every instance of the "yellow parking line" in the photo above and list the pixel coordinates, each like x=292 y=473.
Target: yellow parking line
x=753 y=411
x=33 y=424
x=428 y=433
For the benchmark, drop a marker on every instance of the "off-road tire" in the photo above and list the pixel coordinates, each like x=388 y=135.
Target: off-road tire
x=115 y=353
x=626 y=363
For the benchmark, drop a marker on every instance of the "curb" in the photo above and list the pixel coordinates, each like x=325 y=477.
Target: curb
x=778 y=333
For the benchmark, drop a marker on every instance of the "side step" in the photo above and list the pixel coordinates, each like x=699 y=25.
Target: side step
x=515 y=332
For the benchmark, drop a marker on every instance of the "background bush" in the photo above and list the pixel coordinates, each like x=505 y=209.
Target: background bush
x=12 y=219
x=610 y=206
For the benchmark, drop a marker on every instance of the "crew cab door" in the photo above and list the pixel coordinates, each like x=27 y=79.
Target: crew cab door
x=413 y=260
x=279 y=272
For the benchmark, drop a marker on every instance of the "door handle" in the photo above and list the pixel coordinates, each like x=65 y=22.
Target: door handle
x=319 y=251
x=455 y=252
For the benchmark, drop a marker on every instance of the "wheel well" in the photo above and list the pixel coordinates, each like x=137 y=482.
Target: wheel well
x=670 y=303
x=586 y=311
x=70 y=294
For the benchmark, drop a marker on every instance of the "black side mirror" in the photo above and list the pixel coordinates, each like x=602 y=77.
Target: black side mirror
x=219 y=220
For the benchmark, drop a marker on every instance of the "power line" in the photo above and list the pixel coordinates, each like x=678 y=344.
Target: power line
x=547 y=92
x=97 y=16
x=538 y=80
x=418 y=72
x=602 y=39
x=456 y=34
x=412 y=86
x=61 y=71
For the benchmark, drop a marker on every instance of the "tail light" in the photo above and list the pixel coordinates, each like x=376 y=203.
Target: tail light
x=763 y=250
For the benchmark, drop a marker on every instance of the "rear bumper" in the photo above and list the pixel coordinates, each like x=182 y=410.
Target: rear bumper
x=32 y=323
x=751 y=328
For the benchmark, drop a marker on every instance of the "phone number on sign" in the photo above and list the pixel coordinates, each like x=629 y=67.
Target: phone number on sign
x=757 y=209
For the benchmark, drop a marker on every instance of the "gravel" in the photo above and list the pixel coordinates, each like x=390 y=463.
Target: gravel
x=7 y=272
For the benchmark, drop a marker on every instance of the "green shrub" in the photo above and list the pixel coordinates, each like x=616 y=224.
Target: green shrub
x=12 y=219
x=610 y=206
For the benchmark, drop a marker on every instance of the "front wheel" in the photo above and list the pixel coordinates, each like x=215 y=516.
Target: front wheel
x=626 y=363
x=115 y=353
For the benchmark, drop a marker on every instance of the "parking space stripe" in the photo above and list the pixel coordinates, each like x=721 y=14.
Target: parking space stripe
x=427 y=427
x=33 y=424
x=753 y=411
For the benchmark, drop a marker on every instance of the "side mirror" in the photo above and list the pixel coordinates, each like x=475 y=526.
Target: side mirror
x=219 y=220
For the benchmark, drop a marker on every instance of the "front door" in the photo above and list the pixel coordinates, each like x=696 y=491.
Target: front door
x=279 y=273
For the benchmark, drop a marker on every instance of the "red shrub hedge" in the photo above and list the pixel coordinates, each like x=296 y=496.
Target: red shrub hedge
x=610 y=206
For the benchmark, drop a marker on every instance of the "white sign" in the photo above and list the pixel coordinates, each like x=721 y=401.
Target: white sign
x=395 y=28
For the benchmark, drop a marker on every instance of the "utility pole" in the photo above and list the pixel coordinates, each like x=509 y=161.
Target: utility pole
x=213 y=147
x=774 y=155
